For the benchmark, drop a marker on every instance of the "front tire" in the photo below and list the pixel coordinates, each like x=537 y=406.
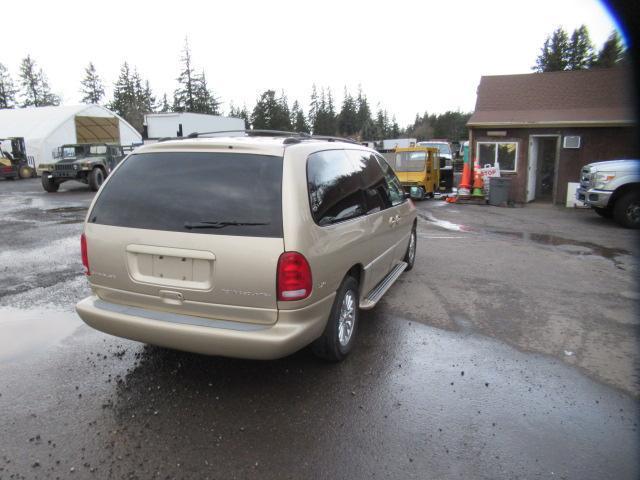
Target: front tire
x=339 y=335
x=49 y=184
x=626 y=211
x=96 y=177
x=25 y=171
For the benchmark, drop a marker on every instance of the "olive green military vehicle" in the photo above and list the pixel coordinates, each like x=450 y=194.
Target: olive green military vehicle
x=86 y=163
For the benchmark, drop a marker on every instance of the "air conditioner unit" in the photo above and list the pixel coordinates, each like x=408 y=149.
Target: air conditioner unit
x=571 y=141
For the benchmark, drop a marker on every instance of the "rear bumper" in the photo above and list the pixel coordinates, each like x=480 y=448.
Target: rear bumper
x=294 y=329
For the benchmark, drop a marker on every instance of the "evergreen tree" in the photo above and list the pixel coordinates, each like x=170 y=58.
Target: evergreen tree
x=580 y=54
x=332 y=119
x=7 y=89
x=132 y=97
x=193 y=93
x=268 y=114
x=204 y=99
x=164 y=105
x=313 y=106
x=91 y=86
x=364 y=123
x=282 y=116
x=394 y=129
x=35 y=87
x=184 y=97
x=612 y=52
x=348 y=117
x=555 y=53
x=238 y=112
x=298 y=121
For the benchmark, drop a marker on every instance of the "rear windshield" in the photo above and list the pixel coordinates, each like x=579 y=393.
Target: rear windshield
x=203 y=191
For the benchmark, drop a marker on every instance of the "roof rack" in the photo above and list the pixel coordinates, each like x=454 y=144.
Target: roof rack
x=292 y=137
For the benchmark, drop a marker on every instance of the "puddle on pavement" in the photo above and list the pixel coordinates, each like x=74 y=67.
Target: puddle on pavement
x=69 y=214
x=567 y=245
x=28 y=332
x=454 y=227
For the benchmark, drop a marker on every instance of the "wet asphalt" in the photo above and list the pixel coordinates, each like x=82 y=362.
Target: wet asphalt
x=431 y=391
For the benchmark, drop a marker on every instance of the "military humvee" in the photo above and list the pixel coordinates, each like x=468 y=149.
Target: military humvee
x=86 y=163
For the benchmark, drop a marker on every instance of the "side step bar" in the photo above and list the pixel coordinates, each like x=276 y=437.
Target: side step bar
x=379 y=290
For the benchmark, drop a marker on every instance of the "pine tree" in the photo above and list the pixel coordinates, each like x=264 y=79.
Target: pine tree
x=282 y=116
x=580 y=54
x=612 y=52
x=555 y=53
x=35 y=86
x=164 y=105
x=332 y=119
x=132 y=97
x=313 y=106
x=123 y=92
x=193 y=93
x=298 y=121
x=364 y=122
x=265 y=110
x=204 y=100
x=348 y=117
x=238 y=112
x=184 y=97
x=91 y=86
x=7 y=89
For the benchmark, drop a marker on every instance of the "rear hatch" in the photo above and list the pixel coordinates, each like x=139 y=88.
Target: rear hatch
x=195 y=233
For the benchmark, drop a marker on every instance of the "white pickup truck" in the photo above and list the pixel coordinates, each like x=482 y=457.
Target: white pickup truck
x=612 y=189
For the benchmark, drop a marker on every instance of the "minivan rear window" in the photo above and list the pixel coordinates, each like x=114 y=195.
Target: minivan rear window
x=196 y=192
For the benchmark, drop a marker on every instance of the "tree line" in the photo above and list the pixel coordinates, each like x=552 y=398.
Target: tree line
x=353 y=117
x=576 y=52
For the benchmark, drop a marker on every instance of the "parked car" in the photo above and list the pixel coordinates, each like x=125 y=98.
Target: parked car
x=249 y=247
x=612 y=189
x=86 y=163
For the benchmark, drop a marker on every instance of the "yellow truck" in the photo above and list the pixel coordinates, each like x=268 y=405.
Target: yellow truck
x=418 y=169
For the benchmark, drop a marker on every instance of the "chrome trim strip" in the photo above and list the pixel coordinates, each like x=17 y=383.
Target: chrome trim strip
x=177 y=318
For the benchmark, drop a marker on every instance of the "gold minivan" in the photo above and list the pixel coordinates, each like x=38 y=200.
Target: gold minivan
x=251 y=246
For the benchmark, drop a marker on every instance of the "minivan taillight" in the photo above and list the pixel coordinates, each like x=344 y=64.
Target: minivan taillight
x=294 y=277
x=85 y=256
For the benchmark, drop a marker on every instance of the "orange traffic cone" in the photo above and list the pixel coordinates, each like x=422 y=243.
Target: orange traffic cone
x=465 y=181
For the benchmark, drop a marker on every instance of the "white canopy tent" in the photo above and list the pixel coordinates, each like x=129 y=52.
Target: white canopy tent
x=46 y=128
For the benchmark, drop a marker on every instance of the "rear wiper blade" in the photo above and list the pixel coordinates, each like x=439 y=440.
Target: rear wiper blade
x=191 y=225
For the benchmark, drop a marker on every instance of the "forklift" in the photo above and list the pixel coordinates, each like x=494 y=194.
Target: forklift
x=13 y=159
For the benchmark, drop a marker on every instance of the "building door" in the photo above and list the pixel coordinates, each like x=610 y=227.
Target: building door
x=532 y=169
x=542 y=169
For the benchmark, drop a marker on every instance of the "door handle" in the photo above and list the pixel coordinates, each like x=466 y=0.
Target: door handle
x=393 y=221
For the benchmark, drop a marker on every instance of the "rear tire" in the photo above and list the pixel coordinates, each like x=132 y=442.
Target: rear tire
x=339 y=335
x=410 y=256
x=49 y=184
x=603 y=212
x=626 y=210
x=96 y=177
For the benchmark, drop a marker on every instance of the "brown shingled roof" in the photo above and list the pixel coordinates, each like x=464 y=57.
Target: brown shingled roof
x=581 y=98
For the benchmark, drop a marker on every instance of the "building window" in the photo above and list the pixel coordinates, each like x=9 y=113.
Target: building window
x=506 y=153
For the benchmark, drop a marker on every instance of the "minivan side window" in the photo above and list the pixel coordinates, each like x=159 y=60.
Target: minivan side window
x=396 y=193
x=373 y=182
x=335 y=192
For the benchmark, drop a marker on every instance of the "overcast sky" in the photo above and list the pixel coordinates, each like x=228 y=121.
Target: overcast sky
x=408 y=56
